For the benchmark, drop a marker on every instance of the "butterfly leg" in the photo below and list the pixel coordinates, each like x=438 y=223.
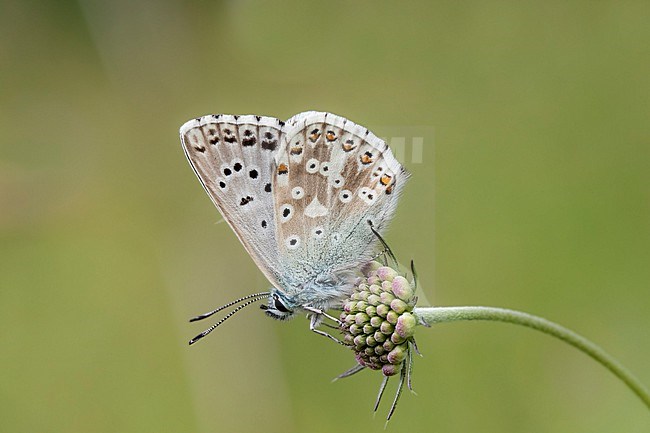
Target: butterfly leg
x=320 y=312
x=315 y=319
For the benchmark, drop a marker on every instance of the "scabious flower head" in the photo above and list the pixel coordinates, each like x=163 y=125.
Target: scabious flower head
x=378 y=321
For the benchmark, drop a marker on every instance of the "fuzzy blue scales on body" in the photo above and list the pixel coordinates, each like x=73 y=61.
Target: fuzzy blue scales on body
x=307 y=198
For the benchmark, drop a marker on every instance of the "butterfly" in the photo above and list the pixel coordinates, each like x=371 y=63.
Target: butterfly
x=308 y=199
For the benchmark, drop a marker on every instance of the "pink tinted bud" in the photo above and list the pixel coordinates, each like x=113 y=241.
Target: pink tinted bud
x=386 y=273
x=389 y=370
x=402 y=288
x=397 y=355
x=405 y=326
x=398 y=306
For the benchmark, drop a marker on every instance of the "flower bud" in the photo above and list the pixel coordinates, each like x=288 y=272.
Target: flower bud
x=386 y=328
x=382 y=310
x=396 y=338
x=386 y=273
x=388 y=345
x=377 y=319
x=391 y=317
x=402 y=288
x=355 y=329
x=386 y=297
x=389 y=370
x=398 y=306
x=380 y=337
x=373 y=279
x=374 y=300
x=398 y=354
x=362 y=319
x=405 y=326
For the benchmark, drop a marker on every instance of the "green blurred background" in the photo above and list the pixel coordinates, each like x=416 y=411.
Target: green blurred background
x=533 y=193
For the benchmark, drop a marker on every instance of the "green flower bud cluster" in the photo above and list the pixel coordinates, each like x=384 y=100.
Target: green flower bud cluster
x=377 y=319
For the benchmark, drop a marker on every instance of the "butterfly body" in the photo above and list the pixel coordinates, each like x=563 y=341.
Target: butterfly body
x=303 y=197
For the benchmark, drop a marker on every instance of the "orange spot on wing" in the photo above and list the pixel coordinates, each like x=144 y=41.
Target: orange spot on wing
x=348 y=145
x=366 y=158
x=314 y=135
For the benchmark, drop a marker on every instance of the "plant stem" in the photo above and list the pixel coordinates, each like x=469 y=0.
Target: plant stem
x=431 y=315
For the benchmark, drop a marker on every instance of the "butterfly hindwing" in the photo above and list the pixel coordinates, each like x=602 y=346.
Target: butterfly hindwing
x=333 y=179
x=234 y=158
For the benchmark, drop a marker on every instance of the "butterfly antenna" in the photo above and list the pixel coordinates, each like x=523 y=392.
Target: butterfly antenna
x=229 y=304
x=226 y=317
x=387 y=249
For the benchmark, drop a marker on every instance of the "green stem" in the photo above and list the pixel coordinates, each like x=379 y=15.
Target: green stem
x=431 y=315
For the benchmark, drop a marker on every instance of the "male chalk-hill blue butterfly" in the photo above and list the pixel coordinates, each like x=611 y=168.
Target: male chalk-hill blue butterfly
x=308 y=198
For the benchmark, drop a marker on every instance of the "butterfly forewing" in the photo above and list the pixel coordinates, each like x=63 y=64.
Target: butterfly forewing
x=234 y=158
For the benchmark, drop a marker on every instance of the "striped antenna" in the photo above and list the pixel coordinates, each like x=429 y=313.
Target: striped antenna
x=250 y=299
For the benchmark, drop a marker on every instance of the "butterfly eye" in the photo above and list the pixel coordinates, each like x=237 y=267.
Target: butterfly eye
x=277 y=303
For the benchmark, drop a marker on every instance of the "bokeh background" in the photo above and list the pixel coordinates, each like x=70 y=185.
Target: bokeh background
x=532 y=193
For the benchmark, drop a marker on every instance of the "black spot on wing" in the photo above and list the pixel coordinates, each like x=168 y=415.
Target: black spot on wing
x=249 y=140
